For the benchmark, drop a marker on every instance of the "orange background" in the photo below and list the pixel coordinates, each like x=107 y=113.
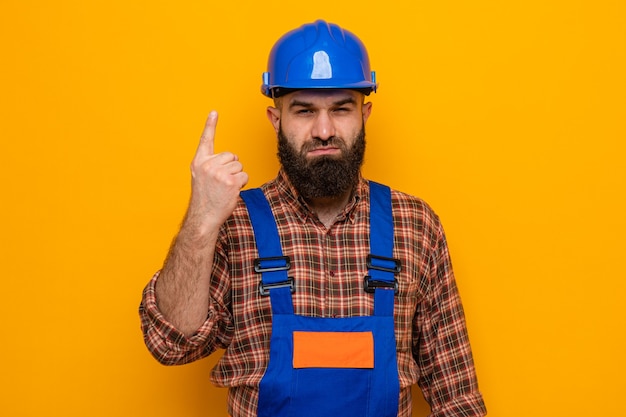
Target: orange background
x=508 y=117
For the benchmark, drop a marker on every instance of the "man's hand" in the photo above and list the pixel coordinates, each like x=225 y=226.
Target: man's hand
x=216 y=181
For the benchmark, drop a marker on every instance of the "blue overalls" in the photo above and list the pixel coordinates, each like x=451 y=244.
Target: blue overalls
x=320 y=366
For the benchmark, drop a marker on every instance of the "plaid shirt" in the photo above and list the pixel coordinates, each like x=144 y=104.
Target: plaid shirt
x=328 y=266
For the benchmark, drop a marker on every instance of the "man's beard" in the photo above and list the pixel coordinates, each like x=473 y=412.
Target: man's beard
x=323 y=176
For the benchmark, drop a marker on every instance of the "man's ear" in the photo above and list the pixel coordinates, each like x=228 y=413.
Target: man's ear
x=367 y=110
x=273 y=115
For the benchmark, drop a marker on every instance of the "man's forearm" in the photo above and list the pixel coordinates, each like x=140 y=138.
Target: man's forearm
x=182 y=291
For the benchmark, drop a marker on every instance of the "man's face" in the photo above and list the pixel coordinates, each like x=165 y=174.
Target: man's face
x=321 y=139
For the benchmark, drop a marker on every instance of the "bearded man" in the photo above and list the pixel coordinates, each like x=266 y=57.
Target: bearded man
x=331 y=294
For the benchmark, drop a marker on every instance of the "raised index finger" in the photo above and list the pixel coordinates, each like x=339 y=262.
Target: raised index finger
x=208 y=134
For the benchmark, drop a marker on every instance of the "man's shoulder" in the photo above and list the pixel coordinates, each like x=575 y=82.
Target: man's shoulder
x=414 y=218
x=410 y=203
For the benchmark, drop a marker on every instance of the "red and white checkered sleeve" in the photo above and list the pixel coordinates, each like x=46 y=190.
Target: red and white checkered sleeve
x=166 y=343
x=448 y=378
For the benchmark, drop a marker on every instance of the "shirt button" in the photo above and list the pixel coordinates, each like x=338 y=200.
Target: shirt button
x=332 y=273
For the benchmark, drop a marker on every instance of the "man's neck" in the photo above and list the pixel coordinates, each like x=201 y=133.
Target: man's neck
x=328 y=208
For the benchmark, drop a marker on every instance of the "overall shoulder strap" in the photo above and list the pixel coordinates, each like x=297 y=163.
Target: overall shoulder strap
x=382 y=267
x=271 y=263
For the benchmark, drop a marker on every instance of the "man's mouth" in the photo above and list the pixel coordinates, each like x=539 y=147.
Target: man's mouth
x=326 y=150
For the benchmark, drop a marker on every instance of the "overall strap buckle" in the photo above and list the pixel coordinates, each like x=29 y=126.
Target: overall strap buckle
x=273 y=264
x=264 y=289
x=386 y=265
x=370 y=285
x=381 y=263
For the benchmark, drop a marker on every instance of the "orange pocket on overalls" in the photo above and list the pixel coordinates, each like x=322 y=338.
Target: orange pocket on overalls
x=333 y=349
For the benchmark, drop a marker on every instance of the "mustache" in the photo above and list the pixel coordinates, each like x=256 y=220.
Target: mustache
x=317 y=143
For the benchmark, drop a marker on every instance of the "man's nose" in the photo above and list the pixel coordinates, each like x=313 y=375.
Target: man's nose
x=323 y=127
